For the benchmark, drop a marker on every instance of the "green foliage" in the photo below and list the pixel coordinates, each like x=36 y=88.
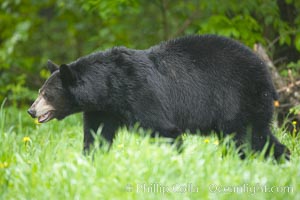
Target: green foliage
x=109 y=9
x=62 y=30
x=295 y=110
x=20 y=34
x=240 y=27
x=44 y=161
x=293 y=67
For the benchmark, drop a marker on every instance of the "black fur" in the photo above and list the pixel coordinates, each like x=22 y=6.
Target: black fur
x=205 y=83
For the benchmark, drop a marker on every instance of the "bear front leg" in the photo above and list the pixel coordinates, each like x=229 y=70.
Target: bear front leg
x=92 y=122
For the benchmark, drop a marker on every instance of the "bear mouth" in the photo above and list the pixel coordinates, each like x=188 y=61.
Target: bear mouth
x=45 y=117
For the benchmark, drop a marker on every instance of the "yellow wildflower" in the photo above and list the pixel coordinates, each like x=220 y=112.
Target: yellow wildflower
x=294 y=128
x=36 y=121
x=216 y=142
x=26 y=139
x=3 y=165
x=206 y=141
x=120 y=146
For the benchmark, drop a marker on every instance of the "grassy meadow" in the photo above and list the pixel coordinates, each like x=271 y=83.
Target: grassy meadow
x=45 y=161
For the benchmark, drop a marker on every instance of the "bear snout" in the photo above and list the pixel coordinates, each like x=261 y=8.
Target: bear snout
x=31 y=112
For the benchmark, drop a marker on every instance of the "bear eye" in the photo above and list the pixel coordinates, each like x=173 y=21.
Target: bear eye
x=48 y=97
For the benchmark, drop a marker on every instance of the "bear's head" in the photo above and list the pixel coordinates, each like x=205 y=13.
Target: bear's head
x=54 y=99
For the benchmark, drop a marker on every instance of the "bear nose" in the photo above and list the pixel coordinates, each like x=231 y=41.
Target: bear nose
x=31 y=112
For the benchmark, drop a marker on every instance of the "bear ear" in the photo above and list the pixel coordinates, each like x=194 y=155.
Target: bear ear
x=66 y=74
x=52 y=67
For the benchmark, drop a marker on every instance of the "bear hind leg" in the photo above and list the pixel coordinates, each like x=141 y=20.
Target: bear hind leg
x=262 y=137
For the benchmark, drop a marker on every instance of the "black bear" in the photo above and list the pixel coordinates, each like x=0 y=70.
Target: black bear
x=195 y=83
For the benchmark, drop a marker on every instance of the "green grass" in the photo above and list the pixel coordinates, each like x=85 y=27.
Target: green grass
x=50 y=166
